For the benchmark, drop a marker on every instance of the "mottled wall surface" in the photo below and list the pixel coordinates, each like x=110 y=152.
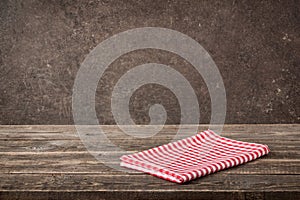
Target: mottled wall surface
x=255 y=44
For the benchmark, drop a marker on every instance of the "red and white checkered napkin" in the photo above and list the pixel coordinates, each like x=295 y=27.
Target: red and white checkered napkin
x=193 y=157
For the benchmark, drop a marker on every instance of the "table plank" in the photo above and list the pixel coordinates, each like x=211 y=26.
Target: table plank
x=100 y=182
x=129 y=145
x=85 y=163
x=50 y=162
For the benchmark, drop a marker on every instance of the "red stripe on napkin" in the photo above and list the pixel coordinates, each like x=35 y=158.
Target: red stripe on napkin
x=194 y=157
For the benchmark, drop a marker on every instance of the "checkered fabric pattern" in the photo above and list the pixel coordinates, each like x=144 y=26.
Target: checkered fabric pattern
x=194 y=157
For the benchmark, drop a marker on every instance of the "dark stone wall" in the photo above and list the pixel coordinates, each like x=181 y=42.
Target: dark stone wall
x=255 y=44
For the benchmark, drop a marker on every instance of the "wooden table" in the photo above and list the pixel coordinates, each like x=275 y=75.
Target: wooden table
x=50 y=162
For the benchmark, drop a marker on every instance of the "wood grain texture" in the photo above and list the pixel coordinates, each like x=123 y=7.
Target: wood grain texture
x=50 y=162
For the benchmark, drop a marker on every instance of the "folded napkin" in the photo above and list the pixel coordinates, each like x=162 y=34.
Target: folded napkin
x=194 y=157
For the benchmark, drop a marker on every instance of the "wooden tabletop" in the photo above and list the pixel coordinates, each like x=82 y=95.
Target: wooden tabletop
x=50 y=162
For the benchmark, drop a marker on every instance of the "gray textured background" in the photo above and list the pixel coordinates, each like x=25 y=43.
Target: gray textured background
x=255 y=44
